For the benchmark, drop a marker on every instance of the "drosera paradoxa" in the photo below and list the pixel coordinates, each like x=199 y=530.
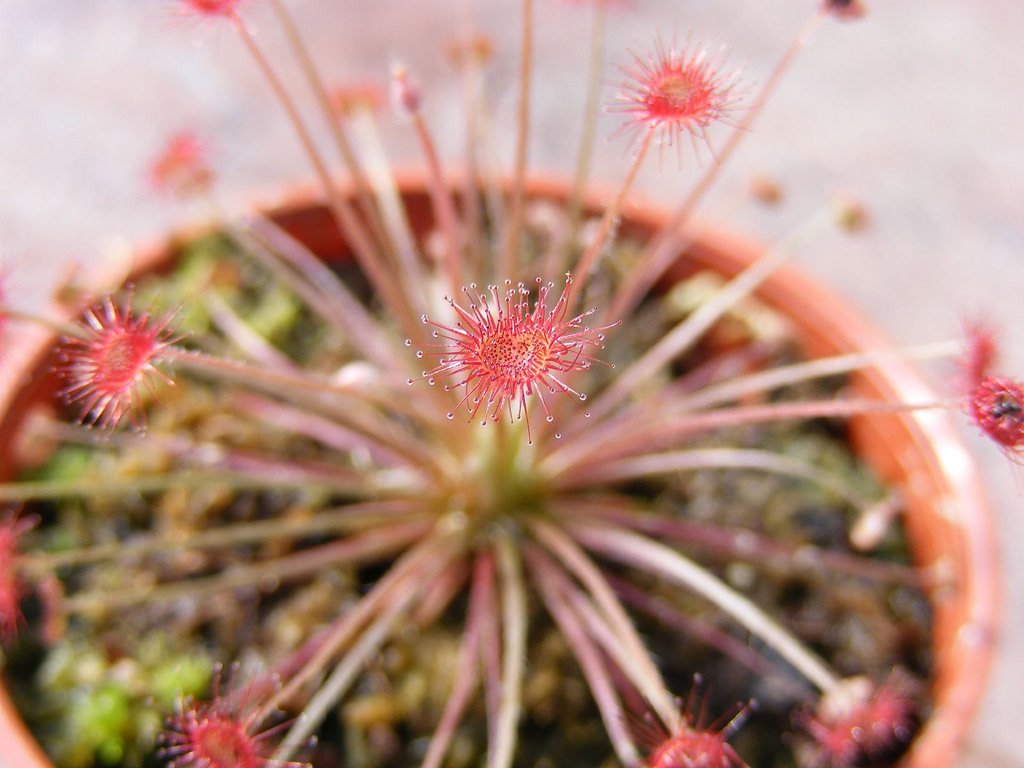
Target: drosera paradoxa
x=317 y=505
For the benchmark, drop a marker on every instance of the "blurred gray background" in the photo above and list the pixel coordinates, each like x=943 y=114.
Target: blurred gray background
x=918 y=110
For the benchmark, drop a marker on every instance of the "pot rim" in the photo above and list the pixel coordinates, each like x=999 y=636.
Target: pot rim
x=940 y=479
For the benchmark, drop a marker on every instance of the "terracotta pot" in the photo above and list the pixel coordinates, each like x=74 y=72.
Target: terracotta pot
x=947 y=517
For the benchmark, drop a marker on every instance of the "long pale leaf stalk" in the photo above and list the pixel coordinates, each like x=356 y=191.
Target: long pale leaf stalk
x=483 y=203
x=383 y=626
x=330 y=297
x=490 y=652
x=448 y=584
x=266 y=469
x=633 y=664
x=688 y=626
x=688 y=331
x=408 y=572
x=597 y=627
x=681 y=397
x=62 y=327
x=242 y=336
x=724 y=542
x=327 y=294
x=647 y=555
x=327 y=432
x=471 y=66
x=513 y=658
x=740 y=387
x=389 y=202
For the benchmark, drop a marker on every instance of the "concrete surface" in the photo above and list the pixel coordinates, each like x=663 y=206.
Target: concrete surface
x=917 y=109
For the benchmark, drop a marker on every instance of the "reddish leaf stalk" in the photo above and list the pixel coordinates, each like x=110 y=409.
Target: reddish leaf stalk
x=490 y=649
x=545 y=578
x=509 y=253
x=440 y=198
x=448 y=584
x=294 y=266
x=696 y=459
x=364 y=196
x=466 y=674
x=583 y=568
x=588 y=261
x=324 y=396
x=640 y=439
x=589 y=131
x=362 y=245
x=470 y=57
x=739 y=387
x=408 y=571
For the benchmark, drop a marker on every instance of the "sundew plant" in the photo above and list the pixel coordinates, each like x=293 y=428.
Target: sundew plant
x=502 y=485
